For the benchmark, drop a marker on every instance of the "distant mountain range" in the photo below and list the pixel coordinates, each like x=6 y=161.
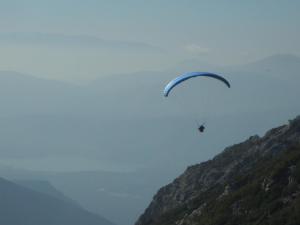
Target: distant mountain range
x=24 y=206
x=76 y=41
x=56 y=116
x=254 y=182
x=123 y=122
x=283 y=65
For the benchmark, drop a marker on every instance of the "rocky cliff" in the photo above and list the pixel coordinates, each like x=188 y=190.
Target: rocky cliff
x=254 y=182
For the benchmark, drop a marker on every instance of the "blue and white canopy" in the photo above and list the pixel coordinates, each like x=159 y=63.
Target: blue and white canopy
x=173 y=83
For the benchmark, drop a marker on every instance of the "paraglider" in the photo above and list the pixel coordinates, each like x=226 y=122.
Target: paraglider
x=186 y=76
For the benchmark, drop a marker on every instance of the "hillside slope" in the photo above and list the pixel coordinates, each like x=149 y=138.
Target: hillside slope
x=254 y=182
x=44 y=187
x=23 y=206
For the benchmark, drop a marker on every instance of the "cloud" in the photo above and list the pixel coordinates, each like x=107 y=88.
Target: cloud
x=196 y=49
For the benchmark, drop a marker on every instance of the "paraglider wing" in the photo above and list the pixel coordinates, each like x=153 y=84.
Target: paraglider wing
x=187 y=76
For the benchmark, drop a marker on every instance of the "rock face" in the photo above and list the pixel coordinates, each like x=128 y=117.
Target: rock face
x=254 y=182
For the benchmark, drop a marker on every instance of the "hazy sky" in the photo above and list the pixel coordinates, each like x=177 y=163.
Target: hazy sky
x=78 y=40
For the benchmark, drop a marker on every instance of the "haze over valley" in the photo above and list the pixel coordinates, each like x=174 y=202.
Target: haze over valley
x=88 y=137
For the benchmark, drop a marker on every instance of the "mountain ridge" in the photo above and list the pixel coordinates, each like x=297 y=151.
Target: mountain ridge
x=23 y=206
x=196 y=193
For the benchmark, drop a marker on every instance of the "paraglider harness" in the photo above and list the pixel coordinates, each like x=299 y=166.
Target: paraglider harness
x=201 y=128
